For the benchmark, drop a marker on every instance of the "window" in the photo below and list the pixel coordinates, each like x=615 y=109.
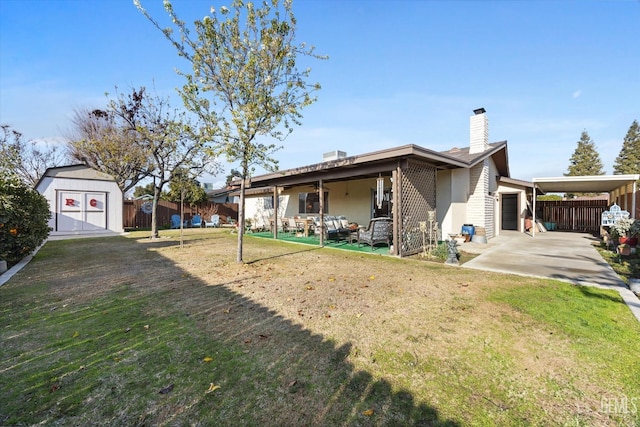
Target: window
x=267 y=202
x=310 y=203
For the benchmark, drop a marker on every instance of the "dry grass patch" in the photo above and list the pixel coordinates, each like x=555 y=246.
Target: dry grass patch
x=298 y=336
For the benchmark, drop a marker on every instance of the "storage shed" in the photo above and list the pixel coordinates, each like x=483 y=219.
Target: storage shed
x=81 y=200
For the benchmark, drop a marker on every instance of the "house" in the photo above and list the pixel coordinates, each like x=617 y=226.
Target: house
x=218 y=195
x=411 y=184
x=81 y=200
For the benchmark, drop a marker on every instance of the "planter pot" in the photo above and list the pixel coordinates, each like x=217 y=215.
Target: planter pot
x=631 y=241
x=624 y=250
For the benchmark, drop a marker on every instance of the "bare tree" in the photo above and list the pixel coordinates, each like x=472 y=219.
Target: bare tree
x=28 y=159
x=102 y=141
x=165 y=137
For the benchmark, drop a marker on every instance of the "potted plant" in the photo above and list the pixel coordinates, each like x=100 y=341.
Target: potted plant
x=621 y=230
x=624 y=249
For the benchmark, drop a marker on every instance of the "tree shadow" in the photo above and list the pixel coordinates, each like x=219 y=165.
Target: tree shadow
x=276 y=372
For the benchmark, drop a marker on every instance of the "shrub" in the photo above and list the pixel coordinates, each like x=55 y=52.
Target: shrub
x=24 y=216
x=441 y=251
x=621 y=228
x=634 y=230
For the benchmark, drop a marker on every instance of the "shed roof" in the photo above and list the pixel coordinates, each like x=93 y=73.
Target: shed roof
x=77 y=171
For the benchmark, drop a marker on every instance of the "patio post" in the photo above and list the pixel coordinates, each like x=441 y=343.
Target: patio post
x=395 y=200
x=321 y=203
x=276 y=207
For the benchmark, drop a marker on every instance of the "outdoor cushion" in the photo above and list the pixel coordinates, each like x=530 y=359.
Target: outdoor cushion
x=379 y=231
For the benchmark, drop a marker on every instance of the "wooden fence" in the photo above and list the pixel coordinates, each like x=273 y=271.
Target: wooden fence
x=137 y=213
x=572 y=215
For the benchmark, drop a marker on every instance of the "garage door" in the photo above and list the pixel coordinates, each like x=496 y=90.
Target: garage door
x=81 y=211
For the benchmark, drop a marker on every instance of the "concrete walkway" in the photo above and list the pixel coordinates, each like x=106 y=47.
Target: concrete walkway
x=569 y=257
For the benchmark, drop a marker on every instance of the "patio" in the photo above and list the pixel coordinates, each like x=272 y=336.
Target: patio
x=313 y=240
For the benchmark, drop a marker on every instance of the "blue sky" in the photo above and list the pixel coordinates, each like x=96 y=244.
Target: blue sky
x=399 y=72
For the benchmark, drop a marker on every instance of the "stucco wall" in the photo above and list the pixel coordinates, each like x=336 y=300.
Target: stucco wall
x=452 y=192
x=522 y=204
x=353 y=199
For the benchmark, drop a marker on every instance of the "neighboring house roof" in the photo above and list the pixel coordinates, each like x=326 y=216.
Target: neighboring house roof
x=381 y=162
x=143 y=197
x=77 y=171
x=603 y=196
x=219 y=192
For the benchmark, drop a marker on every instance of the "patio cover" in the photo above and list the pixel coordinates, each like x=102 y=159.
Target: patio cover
x=584 y=184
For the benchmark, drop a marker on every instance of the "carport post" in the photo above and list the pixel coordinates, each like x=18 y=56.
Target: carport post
x=633 y=198
x=533 y=226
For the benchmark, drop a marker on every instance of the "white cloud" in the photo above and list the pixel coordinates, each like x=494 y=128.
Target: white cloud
x=577 y=93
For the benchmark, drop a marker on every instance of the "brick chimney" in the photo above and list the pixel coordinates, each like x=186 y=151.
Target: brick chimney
x=479 y=131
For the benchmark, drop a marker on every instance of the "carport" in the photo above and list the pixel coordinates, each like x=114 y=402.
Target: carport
x=618 y=187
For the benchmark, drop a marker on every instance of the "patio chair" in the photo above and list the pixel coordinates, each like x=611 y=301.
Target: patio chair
x=379 y=231
x=215 y=221
x=175 y=221
x=196 y=221
x=294 y=227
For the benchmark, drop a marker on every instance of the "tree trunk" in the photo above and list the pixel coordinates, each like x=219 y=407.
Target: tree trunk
x=154 y=213
x=241 y=218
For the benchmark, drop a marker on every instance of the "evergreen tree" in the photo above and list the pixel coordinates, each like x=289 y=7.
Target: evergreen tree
x=185 y=188
x=585 y=159
x=148 y=189
x=232 y=174
x=628 y=161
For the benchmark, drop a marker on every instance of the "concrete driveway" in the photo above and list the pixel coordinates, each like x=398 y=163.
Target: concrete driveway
x=569 y=257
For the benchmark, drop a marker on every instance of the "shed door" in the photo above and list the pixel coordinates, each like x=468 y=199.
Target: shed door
x=95 y=212
x=81 y=211
x=509 y=211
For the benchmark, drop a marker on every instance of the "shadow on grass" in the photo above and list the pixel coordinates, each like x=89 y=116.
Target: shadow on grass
x=271 y=370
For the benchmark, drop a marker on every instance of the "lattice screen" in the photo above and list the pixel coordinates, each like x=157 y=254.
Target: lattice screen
x=417 y=199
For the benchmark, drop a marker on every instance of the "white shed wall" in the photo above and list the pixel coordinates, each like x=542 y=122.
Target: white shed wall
x=111 y=202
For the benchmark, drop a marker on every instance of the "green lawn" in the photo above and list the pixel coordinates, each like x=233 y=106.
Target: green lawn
x=129 y=331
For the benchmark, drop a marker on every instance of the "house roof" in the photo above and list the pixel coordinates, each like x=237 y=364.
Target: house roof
x=383 y=162
x=518 y=182
x=584 y=184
